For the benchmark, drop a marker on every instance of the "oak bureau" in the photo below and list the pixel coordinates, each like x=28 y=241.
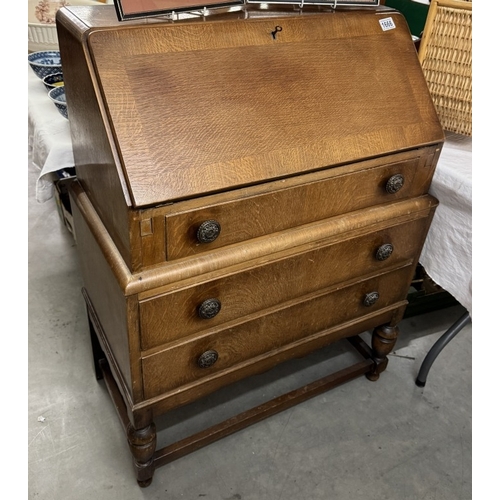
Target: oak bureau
x=245 y=195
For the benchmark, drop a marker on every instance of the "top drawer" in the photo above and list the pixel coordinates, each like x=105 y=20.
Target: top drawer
x=212 y=222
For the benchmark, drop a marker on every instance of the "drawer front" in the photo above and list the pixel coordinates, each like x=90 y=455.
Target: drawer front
x=174 y=315
x=221 y=349
x=221 y=224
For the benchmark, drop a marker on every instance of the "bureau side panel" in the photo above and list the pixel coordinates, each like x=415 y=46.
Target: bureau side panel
x=115 y=312
x=95 y=159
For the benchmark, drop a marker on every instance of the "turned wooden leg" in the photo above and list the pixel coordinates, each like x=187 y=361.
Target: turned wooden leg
x=142 y=443
x=383 y=340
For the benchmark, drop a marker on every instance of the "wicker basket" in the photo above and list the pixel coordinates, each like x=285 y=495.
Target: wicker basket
x=445 y=54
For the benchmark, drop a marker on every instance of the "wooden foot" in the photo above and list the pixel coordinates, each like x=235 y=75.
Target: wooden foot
x=142 y=444
x=383 y=340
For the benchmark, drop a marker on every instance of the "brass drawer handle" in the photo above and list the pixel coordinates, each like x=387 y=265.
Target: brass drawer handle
x=384 y=251
x=208 y=359
x=370 y=299
x=208 y=231
x=209 y=308
x=395 y=183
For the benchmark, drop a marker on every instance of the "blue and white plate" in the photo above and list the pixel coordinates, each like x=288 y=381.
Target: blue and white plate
x=58 y=97
x=53 y=80
x=45 y=62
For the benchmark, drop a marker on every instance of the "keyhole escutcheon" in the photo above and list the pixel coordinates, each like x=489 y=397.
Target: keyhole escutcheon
x=277 y=29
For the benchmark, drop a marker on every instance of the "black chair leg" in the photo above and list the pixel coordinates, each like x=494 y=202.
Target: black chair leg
x=439 y=346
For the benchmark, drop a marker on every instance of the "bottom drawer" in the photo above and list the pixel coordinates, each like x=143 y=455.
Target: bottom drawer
x=219 y=349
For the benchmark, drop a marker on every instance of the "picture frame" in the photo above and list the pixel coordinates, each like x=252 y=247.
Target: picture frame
x=136 y=9
x=332 y=3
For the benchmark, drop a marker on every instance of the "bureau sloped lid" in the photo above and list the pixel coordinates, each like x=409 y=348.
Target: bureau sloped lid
x=206 y=106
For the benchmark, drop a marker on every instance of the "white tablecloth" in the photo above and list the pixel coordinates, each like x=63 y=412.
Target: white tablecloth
x=447 y=252
x=48 y=137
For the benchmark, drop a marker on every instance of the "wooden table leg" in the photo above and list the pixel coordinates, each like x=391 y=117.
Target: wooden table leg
x=383 y=340
x=142 y=444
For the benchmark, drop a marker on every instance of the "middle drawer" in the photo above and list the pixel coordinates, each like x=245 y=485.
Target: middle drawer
x=171 y=316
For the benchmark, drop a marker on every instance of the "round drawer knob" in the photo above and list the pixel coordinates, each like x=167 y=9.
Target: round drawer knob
x=370 y=299
x=209 y=308
x=384 y=251
x=395 y=183
x=208 y=231
x=208 y=359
